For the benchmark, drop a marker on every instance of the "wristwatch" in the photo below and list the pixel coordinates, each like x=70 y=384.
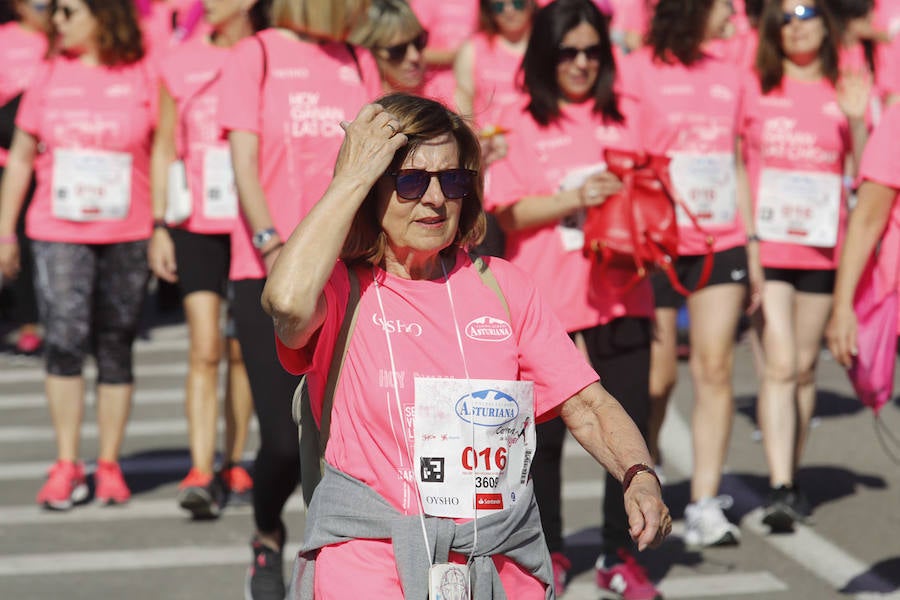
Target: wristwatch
x=262 y=237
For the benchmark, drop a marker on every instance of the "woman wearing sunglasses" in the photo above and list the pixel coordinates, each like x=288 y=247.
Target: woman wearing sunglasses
x=23 y=44
x=394 y=35
x=802 y=125
x=284 y=92
x=448 y=367
x=539 y=193
x=195 y=251
x=85 y=126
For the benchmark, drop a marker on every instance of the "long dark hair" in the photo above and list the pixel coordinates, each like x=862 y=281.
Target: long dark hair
x=538 y=70
x=678 y=29
x=119 y=37
x=770 y=55
x=845 y=11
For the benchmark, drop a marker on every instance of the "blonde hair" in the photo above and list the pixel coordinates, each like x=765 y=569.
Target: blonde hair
x=329 y=19
x=384 y=20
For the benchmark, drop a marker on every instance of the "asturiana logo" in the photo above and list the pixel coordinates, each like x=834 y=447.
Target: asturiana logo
x=488 y=329
x=487 y=408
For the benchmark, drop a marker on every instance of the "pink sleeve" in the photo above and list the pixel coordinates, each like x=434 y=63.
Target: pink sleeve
x=242 y=78
x=29 y=113
x=881 y=162
x=547 y=356
x=371 y=76
x=506 y=184
x=748 y=105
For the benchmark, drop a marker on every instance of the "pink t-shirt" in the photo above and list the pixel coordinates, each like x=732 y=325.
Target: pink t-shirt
x=423 y=336
x=449 y=23
x=494 y=69
x=21 y=53
x=308 y=90
x=797 y=128
x=541 y=161
x=192 y=73
x=76 y=110
x=690 y=114
x=631 y=15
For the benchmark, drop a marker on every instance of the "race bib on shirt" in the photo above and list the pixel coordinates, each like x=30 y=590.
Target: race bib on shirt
x=571 y=228
x=707 y=184
x=474 y=443
x=219 y=192
x=91 y=185
x=799 y=207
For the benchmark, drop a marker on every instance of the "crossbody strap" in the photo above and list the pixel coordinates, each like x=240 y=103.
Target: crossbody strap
x=337 y=359
x=487 y=277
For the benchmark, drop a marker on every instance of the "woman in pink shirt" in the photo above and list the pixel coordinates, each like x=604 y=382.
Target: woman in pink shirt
x=448 y=367
x=397 y=40
x=801 y=126
x=85 y=126
x=23 y=44
x=539 y=194
x=683 y=101
x=873 y=234
x=449 y=24
x=285 y=91
x=195 y=252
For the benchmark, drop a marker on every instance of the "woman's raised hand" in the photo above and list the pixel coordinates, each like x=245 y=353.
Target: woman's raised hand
x=370 y=143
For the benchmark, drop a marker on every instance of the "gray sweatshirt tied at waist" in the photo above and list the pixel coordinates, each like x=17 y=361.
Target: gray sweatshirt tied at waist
x=344 y=508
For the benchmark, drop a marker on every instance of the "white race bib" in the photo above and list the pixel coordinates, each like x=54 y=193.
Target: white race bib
x=91 y=185
x=219 y=192
x=707 y=184
x=571 y=228
x=474 y=443
x=178 y=197
x=799 y=207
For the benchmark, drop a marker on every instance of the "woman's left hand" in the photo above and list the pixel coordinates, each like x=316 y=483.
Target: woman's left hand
x=649 y=520
x=853 y=91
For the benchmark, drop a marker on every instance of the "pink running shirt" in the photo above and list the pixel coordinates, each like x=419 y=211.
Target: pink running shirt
x=75 y=107
x=192 y=73
x=449 y=23
x=798 y=127
x=494 y=74
x=529 y=345
x=538 y=162
x=21 y=54
x=308 y=90
x=689 y=111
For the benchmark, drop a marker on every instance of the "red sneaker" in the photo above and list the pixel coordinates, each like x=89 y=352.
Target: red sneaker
x=110 y=484
x=239 y=484
x=29 y=343
x=201 y=494
x=65 y=486
x=561 y=566
x=627 y=579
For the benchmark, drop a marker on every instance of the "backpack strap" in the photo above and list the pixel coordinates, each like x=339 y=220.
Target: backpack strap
x=487 y=277
x=337 y=359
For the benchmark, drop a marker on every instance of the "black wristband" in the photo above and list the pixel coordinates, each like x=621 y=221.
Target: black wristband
x=634 y=470
x=272 y=249
x=160 y=224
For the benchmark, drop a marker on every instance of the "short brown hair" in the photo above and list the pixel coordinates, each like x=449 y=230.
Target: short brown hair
x=119 y=37
x=329 y=19
x=385 y=19
x=421 y=119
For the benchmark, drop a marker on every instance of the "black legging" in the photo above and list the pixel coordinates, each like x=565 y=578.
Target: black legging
x=620 y=353
x=277 y=466
x=18 y=299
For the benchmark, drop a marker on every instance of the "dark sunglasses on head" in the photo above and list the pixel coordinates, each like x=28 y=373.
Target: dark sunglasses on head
x=499 y=6
x=801 y=12
x=397 y=52
x=570 y=53
x=411 y=184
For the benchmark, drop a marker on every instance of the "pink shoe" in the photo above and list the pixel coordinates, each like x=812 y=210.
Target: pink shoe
x=561 y=566
x=111 y=486
x=627 y=579
x=29 y=343
x=65 y=486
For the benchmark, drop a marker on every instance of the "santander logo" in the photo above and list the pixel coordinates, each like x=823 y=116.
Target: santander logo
x=488 y=329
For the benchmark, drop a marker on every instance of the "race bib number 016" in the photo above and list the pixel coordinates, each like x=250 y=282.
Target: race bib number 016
x=707 y=184
x=474 y=443
x=91 y=185
x=799 y=207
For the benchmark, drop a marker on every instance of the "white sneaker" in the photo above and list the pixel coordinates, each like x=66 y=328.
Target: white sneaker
x=706 y=525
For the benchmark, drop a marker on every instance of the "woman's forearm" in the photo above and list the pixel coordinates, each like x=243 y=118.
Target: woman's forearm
x=16 y=179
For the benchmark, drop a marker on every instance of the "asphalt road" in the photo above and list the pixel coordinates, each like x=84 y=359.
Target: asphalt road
x=148 y=549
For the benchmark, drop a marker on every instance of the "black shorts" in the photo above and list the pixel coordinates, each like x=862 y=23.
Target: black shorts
x=809 y=281
x=729 y=266
x=203 y=261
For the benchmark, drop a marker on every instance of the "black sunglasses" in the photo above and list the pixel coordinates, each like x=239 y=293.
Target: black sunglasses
x=500 y=5
x=411 y=184
x=570 y=53
x=397 y=52
x=67 y=11
x=801 y=12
